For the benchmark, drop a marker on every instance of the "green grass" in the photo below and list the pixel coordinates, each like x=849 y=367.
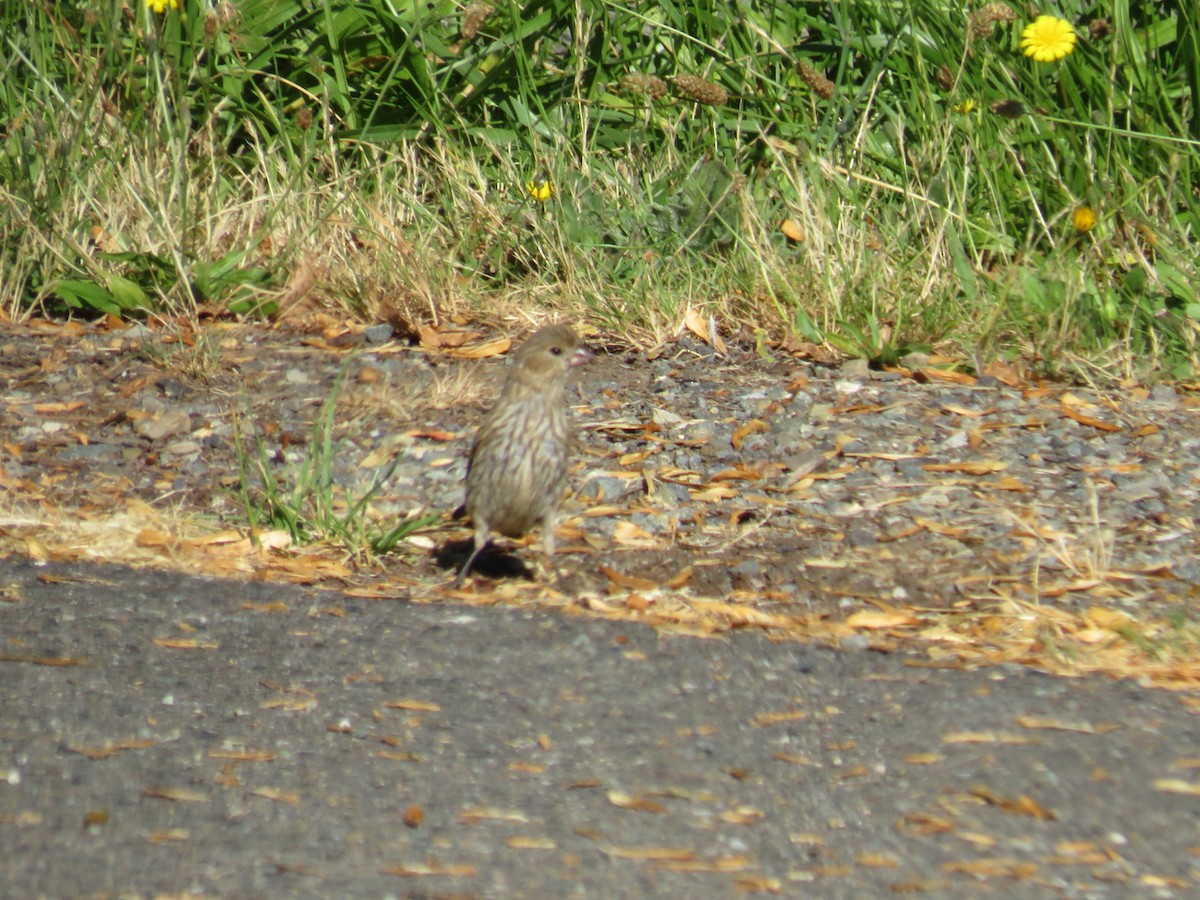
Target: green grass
x=301 y=496
x=224 y=158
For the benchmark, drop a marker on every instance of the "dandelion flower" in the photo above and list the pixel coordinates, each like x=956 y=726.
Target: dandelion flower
x=540 y=188
x=160 y=6
x=1084 y=218
x=1048 y=38
x=965 y=107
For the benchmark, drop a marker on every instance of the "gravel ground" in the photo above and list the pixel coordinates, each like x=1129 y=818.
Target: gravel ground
x=166 y=735
x=743 y=469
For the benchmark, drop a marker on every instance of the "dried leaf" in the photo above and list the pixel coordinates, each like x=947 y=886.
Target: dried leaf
x=531 y=843
x=422 y=870
x=969 y=467
x=1001 y=867
x=532 y=768
x=878 y=860
x=276 y=607
x=1022 y=805
x=628 y=534
x=437 y=339
x=1177 y=786
x=185 y=644
x=149 y=537
x=923 y=759
x=720 y=615
x=116 y=747
x=273 y=540
x=1082 y=419
x=967 y=411
x=1061 y=725
x=774 y=718
x=1073 y=407
x=722 y=864
x=742 y=815
x=621 y=800
x=1108 y=619
x=433 y=434
x=417 y=705
x=923 y=825
x=758 y=884
x=796 y=759
x=171 y=834
x=477 y=814
x=985 y=737
x=1077 y=853
x=940 y=528
x=586 y=783
x=291 y=704
x=754 y=426
x=948 y=376
x=40 y=660
x=792 y=230
x=872 y=619
x=715 y=494
x=181 y=795
x=737 y=473
x=482 y=351
x=1007 y=483
x=244 y=755
x=1005 y=373
x=649 y=853
x=628 y=582
x=694 y=321
x=413 y=816
x=50 y=409
x=279 y=796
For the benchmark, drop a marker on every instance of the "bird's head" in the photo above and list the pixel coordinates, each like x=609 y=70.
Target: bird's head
x=549 y=354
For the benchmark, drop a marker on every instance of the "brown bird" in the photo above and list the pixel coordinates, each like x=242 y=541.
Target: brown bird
x=517 y=470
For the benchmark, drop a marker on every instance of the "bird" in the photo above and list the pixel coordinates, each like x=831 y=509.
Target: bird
x=517 y=468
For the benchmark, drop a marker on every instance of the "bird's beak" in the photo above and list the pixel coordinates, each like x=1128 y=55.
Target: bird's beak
x=581 y=356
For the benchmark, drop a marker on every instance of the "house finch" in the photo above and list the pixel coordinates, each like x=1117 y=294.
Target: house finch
x=518 y=465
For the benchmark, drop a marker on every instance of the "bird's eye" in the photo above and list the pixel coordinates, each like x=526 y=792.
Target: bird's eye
x=557 y=351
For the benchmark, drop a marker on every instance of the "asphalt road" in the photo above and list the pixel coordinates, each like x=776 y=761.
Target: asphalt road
x=170 y=736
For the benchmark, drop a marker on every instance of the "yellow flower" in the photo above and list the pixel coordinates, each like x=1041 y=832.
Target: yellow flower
x=1048 y=38
x=540 y=188
x=160 y=6
x=965 y=107
x=1084 y=218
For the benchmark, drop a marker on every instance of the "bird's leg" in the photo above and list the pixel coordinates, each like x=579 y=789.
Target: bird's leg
x=481 y=540
x=548 y=544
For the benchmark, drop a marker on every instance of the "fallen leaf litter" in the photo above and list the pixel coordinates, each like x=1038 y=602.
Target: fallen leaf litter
x=976 y=520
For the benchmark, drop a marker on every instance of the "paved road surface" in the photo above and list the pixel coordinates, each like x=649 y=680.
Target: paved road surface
x=215 y=739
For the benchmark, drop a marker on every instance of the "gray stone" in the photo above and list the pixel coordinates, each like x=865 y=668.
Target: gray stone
x=165 y=424
x=378 y=333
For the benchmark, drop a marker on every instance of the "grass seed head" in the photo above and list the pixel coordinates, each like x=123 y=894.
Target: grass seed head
x=639 y=83
x=699 y=89
x=821 y=86
x=473 y=19
x=945 y=78
x=982 y=23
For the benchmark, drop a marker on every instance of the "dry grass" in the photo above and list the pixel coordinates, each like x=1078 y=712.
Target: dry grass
x=434 y=235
